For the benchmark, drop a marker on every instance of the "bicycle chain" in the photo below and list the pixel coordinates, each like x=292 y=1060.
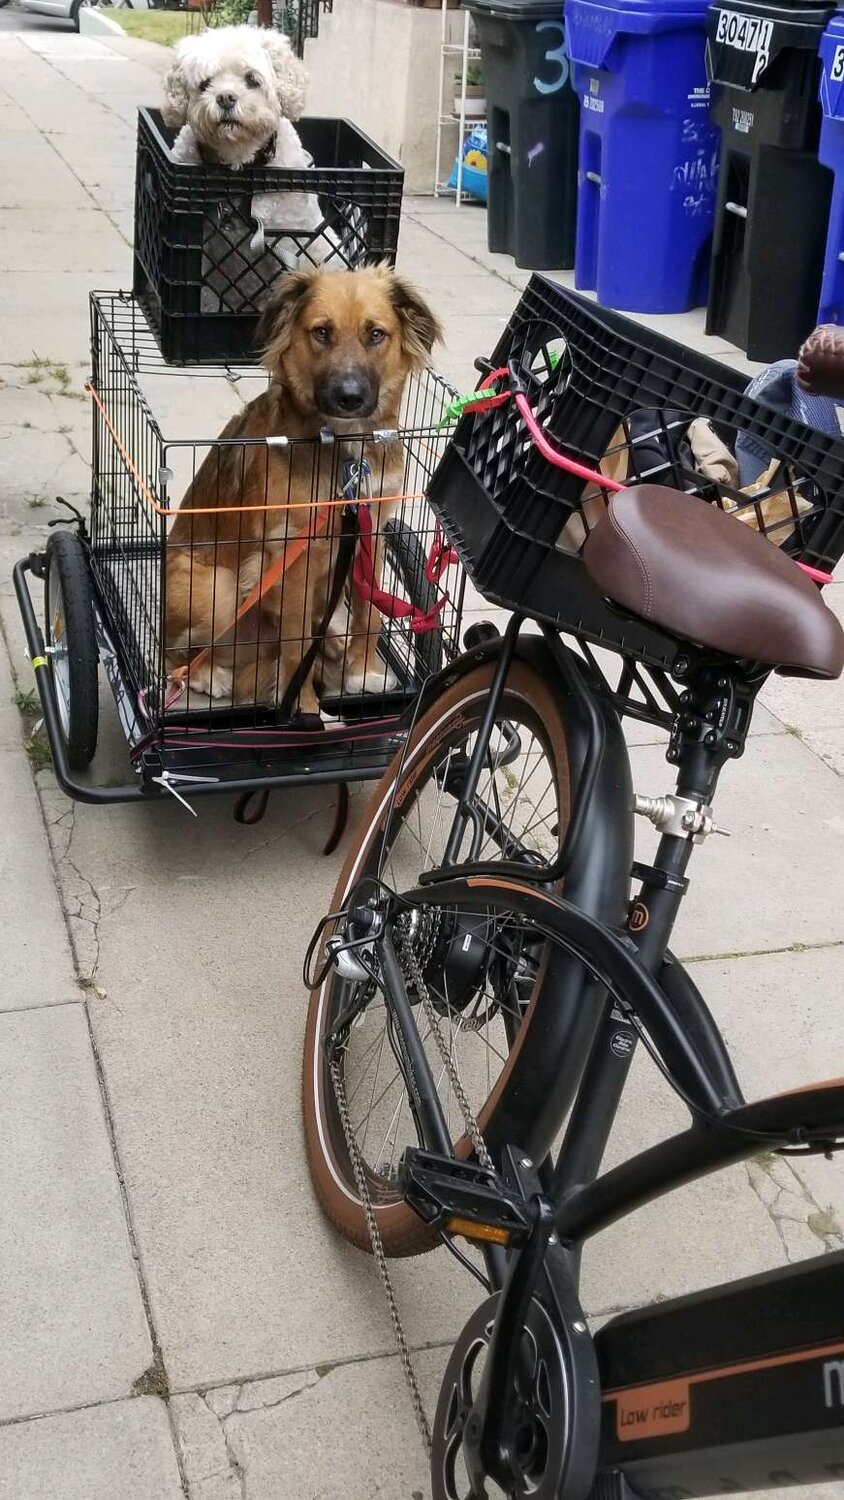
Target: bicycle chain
x=478 y=1142
x=380 y=1257
x=375 y=1240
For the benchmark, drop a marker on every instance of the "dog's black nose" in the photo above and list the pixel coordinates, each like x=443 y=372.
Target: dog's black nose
x=227 y=101
x=351 y=391
x=349 y=394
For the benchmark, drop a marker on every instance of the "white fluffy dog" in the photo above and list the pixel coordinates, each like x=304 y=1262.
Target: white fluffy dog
x=235 y=92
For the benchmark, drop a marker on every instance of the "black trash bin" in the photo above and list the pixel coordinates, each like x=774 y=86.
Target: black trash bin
x=532 y=116
x=773 y=193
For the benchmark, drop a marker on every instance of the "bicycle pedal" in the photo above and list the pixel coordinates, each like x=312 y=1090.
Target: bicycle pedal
x=464 y=1198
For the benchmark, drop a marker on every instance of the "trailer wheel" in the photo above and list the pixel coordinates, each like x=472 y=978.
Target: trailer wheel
x=72 y=645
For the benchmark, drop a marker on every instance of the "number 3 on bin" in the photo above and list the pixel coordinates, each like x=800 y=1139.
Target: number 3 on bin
x=836 y=72
x=556 y=58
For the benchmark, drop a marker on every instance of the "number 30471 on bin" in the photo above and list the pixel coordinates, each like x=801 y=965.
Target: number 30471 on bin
x=747 y=33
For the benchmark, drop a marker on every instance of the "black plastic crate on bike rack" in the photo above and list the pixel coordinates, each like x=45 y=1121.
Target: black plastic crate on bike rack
x=617 y=397
x=214 y=728
x=201 y=273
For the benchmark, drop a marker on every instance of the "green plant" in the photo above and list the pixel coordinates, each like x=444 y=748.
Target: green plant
x=230 y=12
x=38 y=368
x=36 y=502
x=26 y=702
x=39 y=753
x=474 y=75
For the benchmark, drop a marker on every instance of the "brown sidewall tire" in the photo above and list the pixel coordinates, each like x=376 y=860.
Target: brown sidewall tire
x=402 y=1232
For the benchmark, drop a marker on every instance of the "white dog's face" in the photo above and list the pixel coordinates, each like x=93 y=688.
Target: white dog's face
x=232 y=86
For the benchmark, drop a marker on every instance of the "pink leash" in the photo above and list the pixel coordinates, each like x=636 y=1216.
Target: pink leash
x=364 y=580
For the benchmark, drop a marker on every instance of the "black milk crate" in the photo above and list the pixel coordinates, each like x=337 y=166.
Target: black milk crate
x=201 y=274
x=210 y=725
x=616 y=397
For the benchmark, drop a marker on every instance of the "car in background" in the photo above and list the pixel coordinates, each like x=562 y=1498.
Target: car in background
x=66 y=10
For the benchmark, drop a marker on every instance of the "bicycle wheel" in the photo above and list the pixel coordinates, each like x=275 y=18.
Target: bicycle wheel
x=72 y=645
x=484 y=992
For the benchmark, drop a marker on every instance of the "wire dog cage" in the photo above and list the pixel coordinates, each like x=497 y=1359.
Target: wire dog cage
x=275 y=626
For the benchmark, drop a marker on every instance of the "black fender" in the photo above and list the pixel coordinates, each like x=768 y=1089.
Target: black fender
x=568 y=1004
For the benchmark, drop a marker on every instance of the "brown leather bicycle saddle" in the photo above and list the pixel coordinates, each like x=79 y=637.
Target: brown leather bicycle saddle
x=696 y=572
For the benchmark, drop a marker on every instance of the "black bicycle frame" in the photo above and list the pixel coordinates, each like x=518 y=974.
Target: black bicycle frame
x=595 y=1060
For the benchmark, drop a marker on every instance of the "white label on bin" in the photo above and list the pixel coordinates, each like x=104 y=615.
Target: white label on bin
x=836 y=72
x=746 y=34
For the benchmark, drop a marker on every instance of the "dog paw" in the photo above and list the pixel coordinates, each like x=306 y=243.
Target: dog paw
x=376 y=679
x=215 y=682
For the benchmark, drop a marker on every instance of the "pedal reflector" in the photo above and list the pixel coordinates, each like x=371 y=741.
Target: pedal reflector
x=472 y=1231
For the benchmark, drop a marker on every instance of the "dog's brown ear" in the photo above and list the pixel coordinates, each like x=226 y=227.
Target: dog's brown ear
x=277 y=321
x=420 y=328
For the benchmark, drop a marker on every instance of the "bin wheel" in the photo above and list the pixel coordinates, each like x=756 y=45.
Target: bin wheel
x=406 y=552
x=72 y=645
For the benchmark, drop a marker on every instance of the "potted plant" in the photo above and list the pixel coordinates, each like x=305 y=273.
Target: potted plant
x=475 y=93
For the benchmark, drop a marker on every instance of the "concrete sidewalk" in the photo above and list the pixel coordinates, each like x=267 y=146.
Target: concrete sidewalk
x=178 y=1319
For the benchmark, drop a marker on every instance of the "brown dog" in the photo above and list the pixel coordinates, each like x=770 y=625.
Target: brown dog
x=340 y=347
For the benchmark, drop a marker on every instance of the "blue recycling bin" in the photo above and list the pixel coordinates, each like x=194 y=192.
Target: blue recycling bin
x=648 y=158
x=831 y=153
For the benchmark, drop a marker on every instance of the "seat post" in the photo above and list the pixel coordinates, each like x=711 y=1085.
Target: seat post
x=710 y=728
x=711 y=724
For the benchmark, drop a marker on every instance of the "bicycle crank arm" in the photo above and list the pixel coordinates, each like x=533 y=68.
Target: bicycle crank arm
x=532 y=1421
x=492 y=1437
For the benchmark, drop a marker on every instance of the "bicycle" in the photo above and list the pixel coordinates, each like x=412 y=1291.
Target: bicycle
x=483 y=940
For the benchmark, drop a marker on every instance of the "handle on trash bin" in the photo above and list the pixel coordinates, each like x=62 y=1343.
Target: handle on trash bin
x=736 y=208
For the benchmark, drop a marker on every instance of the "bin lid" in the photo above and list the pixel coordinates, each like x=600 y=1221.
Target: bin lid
x=517 y=10
x=637 y=10
x=831 y=87
x=836 y=27
x=594 y=26
x=744 y=38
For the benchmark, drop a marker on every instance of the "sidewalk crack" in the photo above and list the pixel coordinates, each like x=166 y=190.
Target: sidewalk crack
x=788 y=1200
